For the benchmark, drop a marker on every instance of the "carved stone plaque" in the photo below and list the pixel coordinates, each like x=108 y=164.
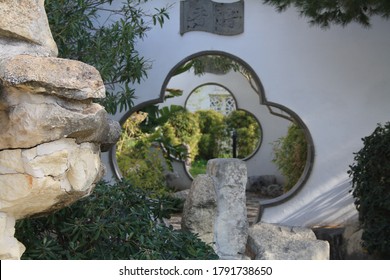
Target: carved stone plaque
x=213 y=17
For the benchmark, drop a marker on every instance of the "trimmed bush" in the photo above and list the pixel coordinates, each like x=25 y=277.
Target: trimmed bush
x=370 y=174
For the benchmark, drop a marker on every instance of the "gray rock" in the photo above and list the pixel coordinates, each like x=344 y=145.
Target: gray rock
x=352 y=242
x=231 y=224
x=266 y=185
x=181 y=194
x=200 y=208
x=275 y=242
x=110 y=135
x=273 y=190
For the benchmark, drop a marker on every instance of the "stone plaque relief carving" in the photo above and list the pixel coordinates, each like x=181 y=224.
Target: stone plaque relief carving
x=209 y=16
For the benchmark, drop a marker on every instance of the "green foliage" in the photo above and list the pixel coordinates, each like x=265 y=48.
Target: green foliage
x=157 y=117
x=148 y=142
x=198 y=166
x=340 y=12
x=94 y=32
x=181 y=129
x=143 y=165
x=139 y=158
x=213 y=132
x=216 y=64
x=115 y=222
x=290 y=154
x=370 y=174
x=247 y=129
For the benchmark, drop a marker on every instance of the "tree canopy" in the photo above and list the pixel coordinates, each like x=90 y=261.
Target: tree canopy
x=340 y=12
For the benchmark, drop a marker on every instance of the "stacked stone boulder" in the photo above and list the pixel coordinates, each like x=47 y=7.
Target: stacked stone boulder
x=51 y=131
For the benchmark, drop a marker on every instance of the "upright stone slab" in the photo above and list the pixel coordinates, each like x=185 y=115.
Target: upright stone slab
x=231 y=224
x=200 y=208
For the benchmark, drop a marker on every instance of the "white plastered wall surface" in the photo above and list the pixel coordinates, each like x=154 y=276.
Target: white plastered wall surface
x=336 y=80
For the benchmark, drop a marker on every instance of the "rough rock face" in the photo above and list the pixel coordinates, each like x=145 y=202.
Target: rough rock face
x=200 y=208
x=275 y=242
x=37 y=107
x=51 y=132
x=24 y=28
x=47 y=177
x=216 y=207
x=231 y=224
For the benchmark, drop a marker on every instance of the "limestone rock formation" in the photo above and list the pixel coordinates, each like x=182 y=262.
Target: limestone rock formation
x=275 y=242
x=51 y=131
x=24 y=28
x=47 y=177
x=37 y=108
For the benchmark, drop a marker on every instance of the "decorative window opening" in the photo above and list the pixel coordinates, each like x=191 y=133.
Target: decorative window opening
x=223 y=103
x=231 y=64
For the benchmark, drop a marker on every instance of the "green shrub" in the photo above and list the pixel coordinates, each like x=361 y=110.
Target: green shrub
x=182 y=128
x=198 y=166
x=290 y=154
x=115 y=222
x=247 y=129
x=213 y=129
x=143 y=166
x=139 y=161
x=370 y=174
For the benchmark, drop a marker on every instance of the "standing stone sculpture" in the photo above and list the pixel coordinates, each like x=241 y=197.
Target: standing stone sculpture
x=231 y=223
x=51 y=131
x=216 y=207
x=200 y=208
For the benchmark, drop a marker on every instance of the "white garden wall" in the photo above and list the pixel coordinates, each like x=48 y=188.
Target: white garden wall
x=337 y=81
